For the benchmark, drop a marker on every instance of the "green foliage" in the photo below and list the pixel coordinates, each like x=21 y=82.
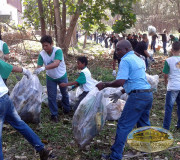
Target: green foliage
x=125 y=10
x=31 y=13
x=92 y=13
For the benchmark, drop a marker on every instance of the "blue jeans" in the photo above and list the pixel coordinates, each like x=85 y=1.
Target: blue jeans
x=9 y=114
x=52 y=94
x=171 y=97
x=153 y=44
x=136 y=111
x=164 y=48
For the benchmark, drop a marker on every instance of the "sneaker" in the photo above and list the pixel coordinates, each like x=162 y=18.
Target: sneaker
x=44 y=154
x=54 y=118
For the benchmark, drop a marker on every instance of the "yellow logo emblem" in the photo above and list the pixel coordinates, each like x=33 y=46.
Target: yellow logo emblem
x=150 y=139
x=178 y=65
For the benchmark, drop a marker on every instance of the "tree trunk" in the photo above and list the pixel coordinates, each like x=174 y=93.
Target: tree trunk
x=73 y=38
x=51 y=19
x=42 y=21
x=70 y=30
x=85 y=39
x=63 y=25
x=55 y=30
x=58 y=20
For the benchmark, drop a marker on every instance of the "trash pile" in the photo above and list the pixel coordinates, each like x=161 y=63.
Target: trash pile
x=27 y=98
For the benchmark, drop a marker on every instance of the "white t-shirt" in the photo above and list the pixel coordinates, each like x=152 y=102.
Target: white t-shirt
x=3 y=88
x=172 y=68
x=57 y=72
x=88 y=86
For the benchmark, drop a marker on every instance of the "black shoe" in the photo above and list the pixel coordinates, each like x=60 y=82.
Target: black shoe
x=177 y=129
x=54 y=118
x=44 y=154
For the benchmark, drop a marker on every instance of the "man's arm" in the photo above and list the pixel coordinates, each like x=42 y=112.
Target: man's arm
x=166 y=79
x=114 y=64
x=166 y=71
x=114 y=84
x=69 y=84
x=17 y=69
x=146 y=53
x=6 y=57
x=7 y=69
x=6 y=51
x=53 y=65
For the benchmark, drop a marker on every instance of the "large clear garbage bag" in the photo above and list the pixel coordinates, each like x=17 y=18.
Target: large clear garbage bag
x=45 y=96
x=114 y=110
x=27 y=98
x=74 y=94
x=153 y=81
x=151 y=30
x=124 y=97
x=89 y=117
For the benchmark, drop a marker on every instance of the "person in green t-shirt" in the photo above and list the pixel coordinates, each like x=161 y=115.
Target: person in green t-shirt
x=171 y=72
x=85 y=80
x=9 y=114
x=4 y=50
x=54 y=64
x=4 y=53
x=173 y=38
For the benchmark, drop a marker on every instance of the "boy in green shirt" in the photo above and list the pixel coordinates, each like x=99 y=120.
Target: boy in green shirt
x=171 y=72
x=85 y=81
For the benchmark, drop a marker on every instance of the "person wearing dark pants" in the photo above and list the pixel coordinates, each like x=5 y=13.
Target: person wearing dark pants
x=85 y=81
x=171 y=72
x=153 y=42
x=164 y=41
x=131 y=75
x=9 y=114
x=53 y=59
x=141 y=49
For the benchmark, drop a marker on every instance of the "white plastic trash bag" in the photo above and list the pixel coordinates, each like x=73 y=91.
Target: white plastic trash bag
x=151 y=30
x=153 y=81
x=114 y=110
x=45 y=96
x=89 y=117
x=27 y=98
x=124 y=97
x=109 y=90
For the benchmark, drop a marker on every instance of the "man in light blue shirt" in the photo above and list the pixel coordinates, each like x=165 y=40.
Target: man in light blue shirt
x=131 y=75
x=132 y=69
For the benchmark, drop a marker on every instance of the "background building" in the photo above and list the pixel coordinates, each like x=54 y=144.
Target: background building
x=11 y=10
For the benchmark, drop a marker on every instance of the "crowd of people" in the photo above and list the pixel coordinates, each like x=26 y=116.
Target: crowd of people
x=129 y=53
